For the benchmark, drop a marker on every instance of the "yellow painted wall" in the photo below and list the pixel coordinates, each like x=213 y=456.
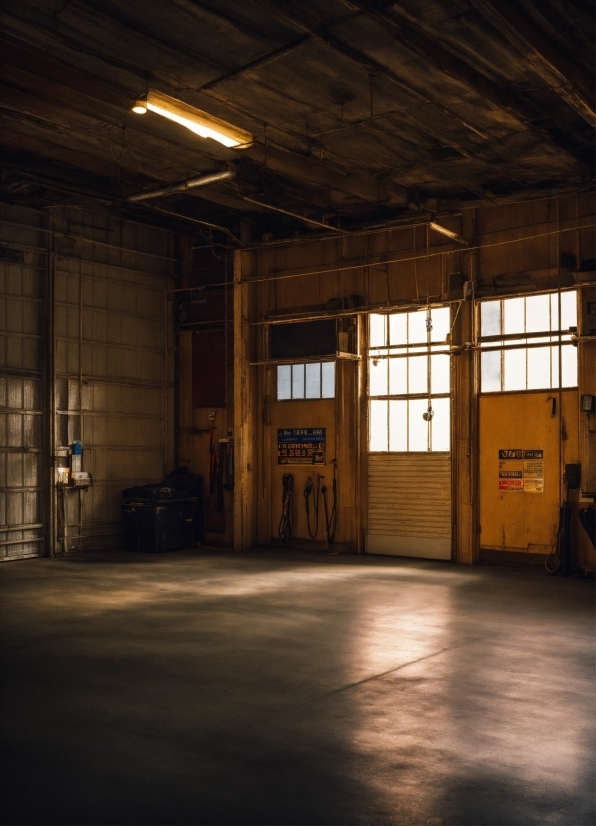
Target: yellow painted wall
x=318 y=413
x=519 y=251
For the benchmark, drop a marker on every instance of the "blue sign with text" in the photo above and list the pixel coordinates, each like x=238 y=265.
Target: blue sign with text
x=301 y=446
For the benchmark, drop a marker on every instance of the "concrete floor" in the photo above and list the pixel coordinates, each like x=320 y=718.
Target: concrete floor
x=293 y=688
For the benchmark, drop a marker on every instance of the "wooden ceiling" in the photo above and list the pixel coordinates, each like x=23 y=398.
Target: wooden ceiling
x=362 y=110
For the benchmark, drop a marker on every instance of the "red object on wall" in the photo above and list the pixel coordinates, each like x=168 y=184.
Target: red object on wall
x=209 y=369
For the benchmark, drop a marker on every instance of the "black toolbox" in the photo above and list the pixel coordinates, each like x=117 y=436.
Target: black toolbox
x=157 y=525
x=178 y=486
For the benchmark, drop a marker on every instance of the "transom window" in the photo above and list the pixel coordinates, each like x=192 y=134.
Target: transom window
x=310 y=380
x=409 y=381
x=526 y=342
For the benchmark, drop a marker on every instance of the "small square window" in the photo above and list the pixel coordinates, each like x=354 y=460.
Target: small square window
x=312 y=380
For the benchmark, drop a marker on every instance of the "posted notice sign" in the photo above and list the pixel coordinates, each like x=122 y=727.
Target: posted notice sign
x=301 y=446
x=521 y=470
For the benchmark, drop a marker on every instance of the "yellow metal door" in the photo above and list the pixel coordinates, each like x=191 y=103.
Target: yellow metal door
x=521 y=459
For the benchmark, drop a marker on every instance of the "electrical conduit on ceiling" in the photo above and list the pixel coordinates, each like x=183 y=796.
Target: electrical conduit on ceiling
x=182 y=186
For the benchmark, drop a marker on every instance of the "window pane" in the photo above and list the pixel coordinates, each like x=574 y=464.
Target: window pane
x=491 y=372
x=297 y=381
x=377 y=374
x=398 y=330
x=378 y=337
x=568 y=310
x=418 y=428
x=490 y=318
x=514 y=315
x=284 y=381
x=441 y=323
x=554 y=365
x=417 y=327
x=398 y=425
x=378 y=439
x=440 y=425
x=554 y=311
x=439 y=376
x=417 y=374
x=538 y=368
x=398 y=377
x=569 y=362
x=313 y=381
x=328 y=379
x=515 y=370
x=537 y=313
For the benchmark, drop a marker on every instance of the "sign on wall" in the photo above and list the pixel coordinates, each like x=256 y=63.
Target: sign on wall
x=521 y=470
x=301 y=446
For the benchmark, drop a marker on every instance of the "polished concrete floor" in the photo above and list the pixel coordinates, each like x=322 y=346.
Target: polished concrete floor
x=292 y=688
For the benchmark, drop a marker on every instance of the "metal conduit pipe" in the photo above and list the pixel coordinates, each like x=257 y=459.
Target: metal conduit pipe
x=182 y=186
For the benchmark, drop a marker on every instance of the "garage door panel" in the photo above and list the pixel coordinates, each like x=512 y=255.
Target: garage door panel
x=409 y=504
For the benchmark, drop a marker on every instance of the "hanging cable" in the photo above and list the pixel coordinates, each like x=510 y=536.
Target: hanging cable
x=308 y=492
x=330 y=519
x=286 y=522
x=212 y=456
x=429 y=412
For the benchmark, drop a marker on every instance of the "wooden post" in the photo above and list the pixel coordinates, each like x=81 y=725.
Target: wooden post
x=244 y=409
x=465 y=414
x=465 y=486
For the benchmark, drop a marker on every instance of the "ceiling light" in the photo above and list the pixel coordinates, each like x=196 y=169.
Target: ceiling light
x=449 y=233
x=201 y=123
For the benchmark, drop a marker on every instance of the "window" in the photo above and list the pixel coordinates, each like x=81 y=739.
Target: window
x=409 y=381
x=526 y=342
x=313 y=380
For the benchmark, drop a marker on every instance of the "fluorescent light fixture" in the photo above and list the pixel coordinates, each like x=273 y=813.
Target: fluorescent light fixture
x=201 y=123
x=449 y=233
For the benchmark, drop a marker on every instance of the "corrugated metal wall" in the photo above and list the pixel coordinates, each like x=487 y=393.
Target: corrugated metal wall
x=409 y=504
x=111 y=344
x=114 y=366
x=23 y=306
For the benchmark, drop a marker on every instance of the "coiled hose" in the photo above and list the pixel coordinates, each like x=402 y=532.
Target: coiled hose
x=308 y=492
x=286 y=523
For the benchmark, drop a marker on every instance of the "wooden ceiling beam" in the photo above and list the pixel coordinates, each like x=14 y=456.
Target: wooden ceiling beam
x=35 y=64
x=36 y=68
x=567 y=80
x=366 y=187
x=20 y=141
x=406 y=31
x=149 y=35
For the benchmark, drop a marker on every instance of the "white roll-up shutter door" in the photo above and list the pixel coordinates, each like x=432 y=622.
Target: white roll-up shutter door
x=409 y=504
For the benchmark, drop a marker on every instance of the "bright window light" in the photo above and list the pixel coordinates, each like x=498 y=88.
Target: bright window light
x=409 y=373
x=201 y=123
x=310 y=380
x=513 y=332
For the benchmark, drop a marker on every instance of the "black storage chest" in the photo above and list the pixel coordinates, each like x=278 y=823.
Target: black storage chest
x=157 y=525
